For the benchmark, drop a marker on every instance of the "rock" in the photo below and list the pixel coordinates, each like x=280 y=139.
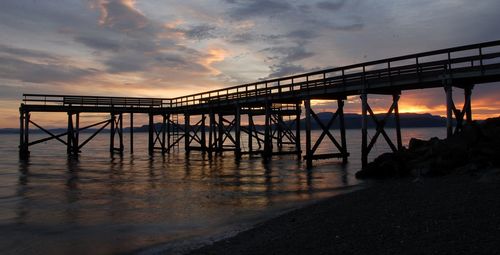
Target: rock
x=475 y=147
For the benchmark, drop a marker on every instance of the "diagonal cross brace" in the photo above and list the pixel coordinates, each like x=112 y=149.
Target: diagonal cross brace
x=380 y=126
x=326 y=131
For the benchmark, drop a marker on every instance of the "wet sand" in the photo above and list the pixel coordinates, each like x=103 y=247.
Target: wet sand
x=456 y=214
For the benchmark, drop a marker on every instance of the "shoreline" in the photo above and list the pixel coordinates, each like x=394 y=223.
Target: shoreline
x=190 y=244
x=457 y=214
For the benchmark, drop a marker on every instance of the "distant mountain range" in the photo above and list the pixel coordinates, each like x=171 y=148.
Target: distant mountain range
x=352 y=121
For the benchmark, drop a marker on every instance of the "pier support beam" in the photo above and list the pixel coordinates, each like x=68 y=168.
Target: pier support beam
x=268 y=146
x=250 y=133
x=116 y=128
x=24 y=122
x=307 y=105
x=72 y=141
x=467 y=103
x=298 y=148
x=237 y=132
x=131 y=133
x=449 y=111
x=203 y=141
x=326 y=132
x=366 y=110
x=187 y=131
x=220 y=136
x=212 y=134
x=151 y=134
x=174 y=135
x=453 y=114
x=364 y=130
x=343 y=140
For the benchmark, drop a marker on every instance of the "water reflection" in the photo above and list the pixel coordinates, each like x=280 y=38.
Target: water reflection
x=100 y=204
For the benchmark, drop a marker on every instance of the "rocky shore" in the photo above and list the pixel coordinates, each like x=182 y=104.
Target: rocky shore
x=476 y=148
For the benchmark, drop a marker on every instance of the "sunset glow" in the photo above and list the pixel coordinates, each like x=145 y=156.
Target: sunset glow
x=172 y=48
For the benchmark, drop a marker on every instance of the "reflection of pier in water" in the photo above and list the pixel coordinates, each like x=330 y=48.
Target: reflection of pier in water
x=211 y=122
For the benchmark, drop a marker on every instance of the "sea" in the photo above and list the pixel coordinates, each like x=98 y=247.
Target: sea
x=100 y=203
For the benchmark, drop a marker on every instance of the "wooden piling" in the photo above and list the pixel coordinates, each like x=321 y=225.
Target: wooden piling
x=399 y=141
x=76 y=150
x=298 y=148
x=120 y=132
x=468 y=103
x=164 y=133
x=449 y=110
x=187 y=131
x=220 y=136
x=131 y=133
x=27 y=116
x=307 y=105
x=250 y=132
x=150 y=133
x=343 y=140
x=112 y=133
x=211 y=133
x=70 y=135
x=364 y=130
x=237 y=132
x=267 y=133
x=203 y=134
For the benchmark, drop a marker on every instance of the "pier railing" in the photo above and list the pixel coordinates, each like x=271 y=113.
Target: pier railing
x=445 y=61
x=96 y=101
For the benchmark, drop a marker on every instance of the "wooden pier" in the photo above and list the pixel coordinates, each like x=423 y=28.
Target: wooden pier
x=212 y=121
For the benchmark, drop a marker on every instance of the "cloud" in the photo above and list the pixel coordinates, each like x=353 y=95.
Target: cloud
x=121 y=15
x=285 y=69
x=289 y=54
x=199 y=32
x=26 y=53
x=17 y=69
x=331 y=5
x=257 y=8
x=98 y=43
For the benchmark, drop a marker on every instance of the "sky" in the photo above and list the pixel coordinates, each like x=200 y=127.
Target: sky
x=160 y=48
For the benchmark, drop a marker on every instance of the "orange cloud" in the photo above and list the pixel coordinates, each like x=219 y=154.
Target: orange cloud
x=214 y=55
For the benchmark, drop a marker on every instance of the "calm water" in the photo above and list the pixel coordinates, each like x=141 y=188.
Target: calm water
x=100 y=204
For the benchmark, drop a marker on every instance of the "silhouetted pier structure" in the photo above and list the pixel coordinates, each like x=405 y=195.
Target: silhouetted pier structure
x=218 y=126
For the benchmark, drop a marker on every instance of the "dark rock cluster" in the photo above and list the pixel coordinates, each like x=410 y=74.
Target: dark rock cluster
x=475 y=148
